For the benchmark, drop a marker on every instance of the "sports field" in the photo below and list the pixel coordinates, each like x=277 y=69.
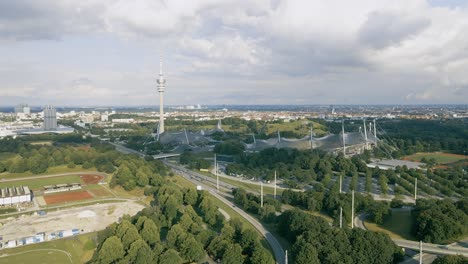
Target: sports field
x=440 y=157
x=38 y=184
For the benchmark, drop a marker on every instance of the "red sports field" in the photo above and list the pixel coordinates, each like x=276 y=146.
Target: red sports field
x=67 y=197
x=91 y=178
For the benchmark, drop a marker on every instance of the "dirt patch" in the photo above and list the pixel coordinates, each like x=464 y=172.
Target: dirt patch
x=91 y=178
x=67 y=197
x=101 y=192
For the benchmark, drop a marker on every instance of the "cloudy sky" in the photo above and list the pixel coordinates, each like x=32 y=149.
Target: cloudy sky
x=106 y=52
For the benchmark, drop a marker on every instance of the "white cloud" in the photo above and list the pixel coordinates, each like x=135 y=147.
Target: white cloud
x=332 y=50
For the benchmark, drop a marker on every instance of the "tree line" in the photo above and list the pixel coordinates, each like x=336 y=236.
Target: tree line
x=181 y=226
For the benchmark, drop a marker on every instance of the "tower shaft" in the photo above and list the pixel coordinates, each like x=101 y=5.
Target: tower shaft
x=161 y=112
x=161 y=88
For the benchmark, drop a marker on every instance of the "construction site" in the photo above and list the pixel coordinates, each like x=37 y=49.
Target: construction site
x=46 y=226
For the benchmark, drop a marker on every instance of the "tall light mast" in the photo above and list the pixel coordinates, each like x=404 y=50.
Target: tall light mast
x=344 y=143
x=161 y=87
x=365 y=134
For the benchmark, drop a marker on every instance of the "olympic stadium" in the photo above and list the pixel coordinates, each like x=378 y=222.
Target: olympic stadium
x=349 y=142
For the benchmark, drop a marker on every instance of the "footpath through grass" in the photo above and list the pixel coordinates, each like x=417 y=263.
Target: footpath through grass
x=397 y=226
x=80 y=248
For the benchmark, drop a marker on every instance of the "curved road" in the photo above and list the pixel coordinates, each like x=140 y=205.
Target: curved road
x=414 y=245
x=193 y=177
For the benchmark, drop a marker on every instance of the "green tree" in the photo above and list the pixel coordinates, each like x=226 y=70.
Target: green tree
x=139 y=253
x=305 y=253
x=150 y=232
x=111 y=250
x=170 y=256
x=261 y=256
x=190 y=196
x=142 y=178
x=192 y=250
x=233 y=254
x=130 y=236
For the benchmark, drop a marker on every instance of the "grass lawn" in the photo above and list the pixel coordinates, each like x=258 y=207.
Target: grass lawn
x=81 y=249
x=441 y=158
x=37 y=184
x=51 y=170
x=121 y=192
x=397 y=226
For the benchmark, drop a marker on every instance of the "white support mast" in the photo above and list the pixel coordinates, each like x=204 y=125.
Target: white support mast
x=420 y=252
x=352 y=209
x=341 y=217
x=415 y=188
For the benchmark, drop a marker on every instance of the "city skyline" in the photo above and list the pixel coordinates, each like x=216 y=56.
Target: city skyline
x=248 y=52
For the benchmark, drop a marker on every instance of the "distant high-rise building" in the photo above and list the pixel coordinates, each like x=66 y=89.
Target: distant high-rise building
x=161 y=87
x=23 y=109
x=50 y=118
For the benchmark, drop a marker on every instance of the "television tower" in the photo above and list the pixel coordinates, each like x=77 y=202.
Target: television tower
x=161 y=87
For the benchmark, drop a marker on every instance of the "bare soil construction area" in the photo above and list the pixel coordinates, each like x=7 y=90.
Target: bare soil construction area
x=67 y=197
x=91 y=178
x=88 y=218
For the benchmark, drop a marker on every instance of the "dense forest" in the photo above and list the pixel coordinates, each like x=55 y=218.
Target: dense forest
x=180 y=227
x=314 y=241
x=305 y=166
x=440 y=221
